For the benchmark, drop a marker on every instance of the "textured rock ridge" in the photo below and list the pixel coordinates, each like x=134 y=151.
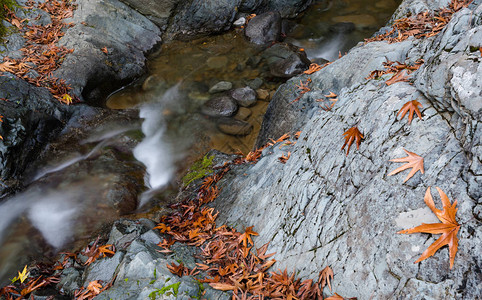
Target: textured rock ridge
x=325 y=208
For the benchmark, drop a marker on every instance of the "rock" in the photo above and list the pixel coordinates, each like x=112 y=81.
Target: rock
x=286 y=60
x=264 y=29
x=361 y=21
x=222 y=106
x=154 y=82
x=221 y=86
x=245 y=97
x=234 y=127
x=256 y=83
x=217 y=62
x=263 y=94
x=327 y=203
x=92 y=74
x=243 y=113
x=342 y=27
x=240 y=22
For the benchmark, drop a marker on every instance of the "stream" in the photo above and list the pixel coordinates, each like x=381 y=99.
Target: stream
x=70 y=198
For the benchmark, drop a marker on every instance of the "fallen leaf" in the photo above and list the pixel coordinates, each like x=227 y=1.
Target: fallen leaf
x=352 y=134
x=94 y=287
x=326 y=276
x=335 y=297
x=23 y=275
x=411 y=107
x=413 y=161
x=7 y=66
x=222 y=286
x=246 y=236
x=283 y=159
x=448 y=228
x=331 y=95
x=401 y=76
x=105 y=50
x=312 y=69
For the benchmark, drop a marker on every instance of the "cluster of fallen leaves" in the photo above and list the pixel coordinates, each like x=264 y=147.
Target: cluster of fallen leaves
x=41 y=55
x=424 y=24
x=230 y=259
x=401 y=71
x=24 y=284
x=332 y=97
x=303 y=88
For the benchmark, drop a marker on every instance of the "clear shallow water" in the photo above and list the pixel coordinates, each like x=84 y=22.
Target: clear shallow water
x=49 y=216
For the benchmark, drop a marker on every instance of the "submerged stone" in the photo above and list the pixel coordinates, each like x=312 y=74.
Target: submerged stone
x=223 y=106
x=234 y=127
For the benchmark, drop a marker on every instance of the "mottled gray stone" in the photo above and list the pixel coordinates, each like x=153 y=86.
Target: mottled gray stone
x=245 y=97
x=223 y=106
x=221 y=86
x=264 y=29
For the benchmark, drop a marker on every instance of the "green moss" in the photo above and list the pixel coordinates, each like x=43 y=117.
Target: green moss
x=166 y=291
x=199 y=169
x=11 y=4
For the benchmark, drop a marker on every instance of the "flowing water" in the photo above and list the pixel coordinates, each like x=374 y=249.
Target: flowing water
x=56 y=209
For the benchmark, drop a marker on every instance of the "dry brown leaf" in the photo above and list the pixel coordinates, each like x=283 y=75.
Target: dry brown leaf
x=351 y=135
x=448 y=228
x=413 y=161
x=401 y=76
x=222 y=286
x=331 y=95
x=313 y=68
x=411 y=107
x=326 y=276
x=335 y=297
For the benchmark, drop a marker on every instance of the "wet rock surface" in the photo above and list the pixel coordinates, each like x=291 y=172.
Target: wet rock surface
x=286 y=60
x=234 y=126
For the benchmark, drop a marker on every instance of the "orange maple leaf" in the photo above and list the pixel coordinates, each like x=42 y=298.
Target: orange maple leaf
x=398 y=77
x=313 y=68
x=448 y=228
x=222 y=286
x=95 y=287
x=105 y=50
x=246 y=236
x=411 y=106
x=352 y=134
x=412 y=161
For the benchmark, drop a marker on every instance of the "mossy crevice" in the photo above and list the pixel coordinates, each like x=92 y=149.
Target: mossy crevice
x=10 y=4
x=199 y=169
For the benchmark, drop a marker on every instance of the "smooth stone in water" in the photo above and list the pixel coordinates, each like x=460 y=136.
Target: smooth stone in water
x=239 y=22
x=221 y=86
x=244 y=96
x=243 y=113
x=223 y=106
x=234 y=127
x=264 y=28
x=256 y=83
x=262 y=94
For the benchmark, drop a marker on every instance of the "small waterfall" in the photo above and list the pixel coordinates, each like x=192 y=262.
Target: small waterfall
x=154 y=151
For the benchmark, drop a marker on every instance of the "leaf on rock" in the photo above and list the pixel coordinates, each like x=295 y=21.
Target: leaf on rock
x=326 y=276
x=335 y=297
x=411 y=107
x=351 y=135
x=222 y=286
x=246 y=236
x=448 y=228
x=412 y=161
x=401 y=76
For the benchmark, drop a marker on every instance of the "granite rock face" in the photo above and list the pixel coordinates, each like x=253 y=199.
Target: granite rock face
x=326 y=208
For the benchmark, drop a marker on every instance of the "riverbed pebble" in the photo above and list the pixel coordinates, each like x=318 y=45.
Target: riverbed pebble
x=243 y=113
x=221 y=86
x=245 y=96
x=223 y=106
x=234 y=127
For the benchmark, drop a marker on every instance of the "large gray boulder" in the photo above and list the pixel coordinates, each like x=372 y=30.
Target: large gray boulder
x=127 y=35
x=327 y=208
